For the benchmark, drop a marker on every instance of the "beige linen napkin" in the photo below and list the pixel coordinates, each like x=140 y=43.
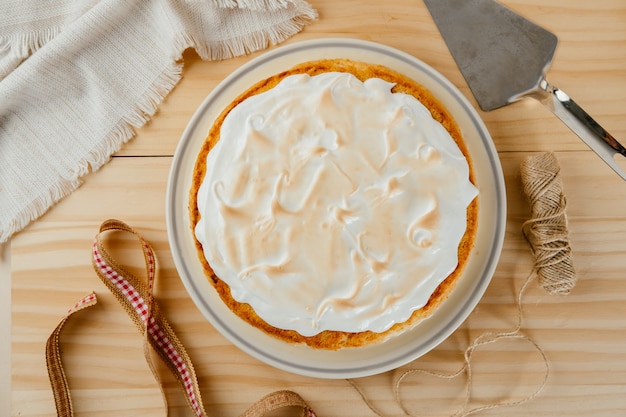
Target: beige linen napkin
x=76 y=78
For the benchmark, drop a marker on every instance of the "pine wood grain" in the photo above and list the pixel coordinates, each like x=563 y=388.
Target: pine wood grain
x=583 y=334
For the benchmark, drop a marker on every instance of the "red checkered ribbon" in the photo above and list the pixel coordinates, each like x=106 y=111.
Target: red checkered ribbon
x=137 y=299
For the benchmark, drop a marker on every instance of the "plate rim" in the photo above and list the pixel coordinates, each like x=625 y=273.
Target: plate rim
x=336 y=372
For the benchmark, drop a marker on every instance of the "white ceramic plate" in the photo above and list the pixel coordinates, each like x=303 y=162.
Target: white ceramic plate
x=398 y=350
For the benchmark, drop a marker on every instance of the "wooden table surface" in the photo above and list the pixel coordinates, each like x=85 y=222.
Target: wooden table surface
x=46 y=268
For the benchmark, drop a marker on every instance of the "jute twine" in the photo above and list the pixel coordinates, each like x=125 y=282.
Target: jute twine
x=547 y=234
x=546 y=231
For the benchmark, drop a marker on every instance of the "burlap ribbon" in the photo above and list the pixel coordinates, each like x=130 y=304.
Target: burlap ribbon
x=136 y=297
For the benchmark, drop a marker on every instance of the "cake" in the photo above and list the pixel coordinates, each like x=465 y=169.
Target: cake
x=334 y=204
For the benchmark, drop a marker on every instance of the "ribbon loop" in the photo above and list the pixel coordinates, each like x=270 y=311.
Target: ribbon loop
x=137 y=299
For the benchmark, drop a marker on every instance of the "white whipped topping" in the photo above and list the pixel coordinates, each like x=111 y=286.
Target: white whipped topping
x=333 y=204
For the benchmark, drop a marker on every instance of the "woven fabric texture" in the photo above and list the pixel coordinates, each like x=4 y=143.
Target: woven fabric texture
x=77 y=77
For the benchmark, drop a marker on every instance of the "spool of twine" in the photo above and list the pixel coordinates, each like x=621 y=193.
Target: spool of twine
x=547 y=229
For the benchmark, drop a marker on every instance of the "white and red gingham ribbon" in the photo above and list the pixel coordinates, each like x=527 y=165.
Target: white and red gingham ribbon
x=137 y=300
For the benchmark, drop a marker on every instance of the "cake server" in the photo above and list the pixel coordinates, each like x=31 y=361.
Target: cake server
x=504 y=57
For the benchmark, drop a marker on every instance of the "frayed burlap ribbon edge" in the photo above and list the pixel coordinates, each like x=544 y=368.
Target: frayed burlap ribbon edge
x=58 y=380
x=137 y=300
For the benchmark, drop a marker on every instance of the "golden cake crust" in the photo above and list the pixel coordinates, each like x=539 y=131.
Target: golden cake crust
x=329 y=339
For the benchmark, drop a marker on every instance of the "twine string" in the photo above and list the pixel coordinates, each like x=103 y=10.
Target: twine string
x=482 y=339
x=547 y=229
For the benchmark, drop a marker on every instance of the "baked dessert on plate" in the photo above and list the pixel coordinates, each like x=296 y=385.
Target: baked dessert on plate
x=333 y=204
x=306 y=261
